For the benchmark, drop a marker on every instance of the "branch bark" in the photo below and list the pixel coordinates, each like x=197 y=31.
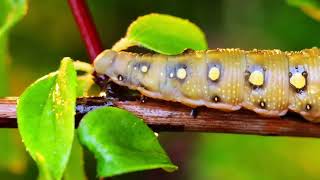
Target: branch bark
x=168 y=116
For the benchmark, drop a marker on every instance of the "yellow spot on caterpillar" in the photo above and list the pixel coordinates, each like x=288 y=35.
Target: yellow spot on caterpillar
x=298 y=80
x=214 y=73
x=256 y=78
x=144 y=69
x=181 y=73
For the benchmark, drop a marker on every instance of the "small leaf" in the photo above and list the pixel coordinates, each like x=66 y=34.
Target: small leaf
x=121 y=142
x=46 y=119
x=310 y=7
x=164 y=34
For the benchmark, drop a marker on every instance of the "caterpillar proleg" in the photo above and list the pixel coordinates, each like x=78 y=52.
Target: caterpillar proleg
x=268 y=82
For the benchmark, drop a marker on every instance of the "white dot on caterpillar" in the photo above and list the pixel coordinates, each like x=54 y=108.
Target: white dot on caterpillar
x=181 y=73
x=171 y=75
x=144 y=68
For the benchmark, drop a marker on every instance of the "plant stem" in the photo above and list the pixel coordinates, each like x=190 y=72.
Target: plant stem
x=86 y=27
x=168 y=116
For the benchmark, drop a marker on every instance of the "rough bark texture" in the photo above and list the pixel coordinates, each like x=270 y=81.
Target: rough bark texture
x=168 y=116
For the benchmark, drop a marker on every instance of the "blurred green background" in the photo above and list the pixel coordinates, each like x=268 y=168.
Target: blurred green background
x=48 y=33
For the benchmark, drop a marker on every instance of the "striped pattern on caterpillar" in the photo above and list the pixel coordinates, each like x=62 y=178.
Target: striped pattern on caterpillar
x=268 y=82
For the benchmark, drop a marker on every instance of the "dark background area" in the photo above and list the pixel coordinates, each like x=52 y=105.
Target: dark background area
x=48 y=33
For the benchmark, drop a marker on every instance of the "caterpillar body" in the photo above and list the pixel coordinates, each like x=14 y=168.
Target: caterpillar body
x=268 y=82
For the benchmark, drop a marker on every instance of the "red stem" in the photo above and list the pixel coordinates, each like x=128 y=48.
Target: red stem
x=87 y=27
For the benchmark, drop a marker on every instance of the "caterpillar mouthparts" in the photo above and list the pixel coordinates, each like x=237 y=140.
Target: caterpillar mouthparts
x=268 y=82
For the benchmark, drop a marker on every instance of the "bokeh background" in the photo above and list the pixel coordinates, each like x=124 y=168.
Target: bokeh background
x=47 y=33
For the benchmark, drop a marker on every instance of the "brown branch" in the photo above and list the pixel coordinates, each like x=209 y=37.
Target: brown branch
x=167 y=116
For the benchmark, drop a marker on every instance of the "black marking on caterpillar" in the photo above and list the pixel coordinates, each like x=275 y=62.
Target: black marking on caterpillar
x=262 y=104
x=120 y=77
x=268 y=82
x=216 y=99
x=308 y=107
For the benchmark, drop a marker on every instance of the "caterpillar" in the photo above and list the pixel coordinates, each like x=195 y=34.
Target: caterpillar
x=268 y=82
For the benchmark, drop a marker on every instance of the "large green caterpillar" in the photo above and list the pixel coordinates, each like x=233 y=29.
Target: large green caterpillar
x=268 y=82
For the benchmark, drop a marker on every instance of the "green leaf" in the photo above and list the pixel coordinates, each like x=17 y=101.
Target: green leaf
x=46 y=119
x=75 y=167
x=121 y=142
x=310 y=7
x=164 y=34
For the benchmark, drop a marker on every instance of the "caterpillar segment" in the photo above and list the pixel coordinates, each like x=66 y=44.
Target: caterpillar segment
x=304 y=89
x=268 y=82
x=226 y=89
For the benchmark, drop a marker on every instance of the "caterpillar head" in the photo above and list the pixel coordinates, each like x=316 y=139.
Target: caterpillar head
x=103 y=61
